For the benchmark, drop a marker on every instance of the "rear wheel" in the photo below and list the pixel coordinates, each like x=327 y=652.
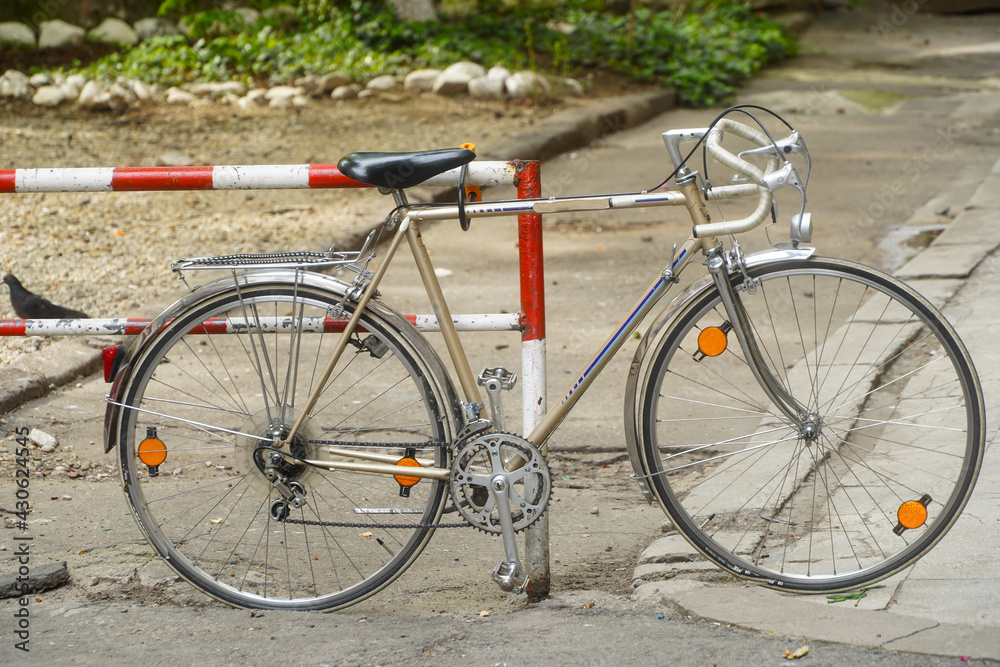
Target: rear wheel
x=891 y=440
x=209 y=406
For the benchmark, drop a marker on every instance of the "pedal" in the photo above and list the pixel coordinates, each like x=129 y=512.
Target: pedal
x=510 y=576
x=506 y=378
x=496 y=380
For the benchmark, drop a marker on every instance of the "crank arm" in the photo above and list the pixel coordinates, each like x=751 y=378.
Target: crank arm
x=509 y=574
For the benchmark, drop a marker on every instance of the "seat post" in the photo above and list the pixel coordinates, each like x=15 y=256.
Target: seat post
x=399 y=196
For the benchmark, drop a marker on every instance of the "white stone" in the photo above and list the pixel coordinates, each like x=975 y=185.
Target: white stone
x=454 y=80
x=283 y=92
x=246 y=103
x=300 y=101
x=526 y=84
x=69 y=91
x=329 y=82
x=93 y=95
x=48 y=96
x=121 y=93
x=366 y=93
x=143 y=92
x=280 y=102
x=485 y=88
x=414 y=10
x=40 y=79
x=499 y=73
x=215 y=88
x=76 y=81
x=114 y=31
x=57 y=34
x=249 y=14
x=570 y=87
x=421 y=80
x=177 y=96
x=14 y=34
x=14 y=84
x=383 y=83
x=279 y=12
x=257 y=95
x=309 y=83
x=347 y=92
x=155 y=27
x=42 y=439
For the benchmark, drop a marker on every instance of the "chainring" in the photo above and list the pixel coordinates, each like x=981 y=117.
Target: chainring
x=478 y=461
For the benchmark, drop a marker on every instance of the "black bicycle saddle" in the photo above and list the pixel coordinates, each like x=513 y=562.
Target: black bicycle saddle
x=402 y=170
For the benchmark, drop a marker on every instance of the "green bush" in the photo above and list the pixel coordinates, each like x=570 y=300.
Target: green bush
x=704 y=54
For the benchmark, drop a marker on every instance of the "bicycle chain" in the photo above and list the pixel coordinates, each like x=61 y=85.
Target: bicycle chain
x=384 y=445
x=348 y=524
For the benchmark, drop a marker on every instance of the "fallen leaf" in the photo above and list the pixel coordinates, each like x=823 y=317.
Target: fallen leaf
x=366 y=534
x=215 y=521
x=830 y=599
x=485 y=613
x=801 y=652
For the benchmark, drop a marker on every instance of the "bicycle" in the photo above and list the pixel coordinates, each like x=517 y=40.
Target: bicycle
x=807 y=423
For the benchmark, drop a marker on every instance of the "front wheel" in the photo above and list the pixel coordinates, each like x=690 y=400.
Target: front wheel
x=200 y=411
x=884 y=457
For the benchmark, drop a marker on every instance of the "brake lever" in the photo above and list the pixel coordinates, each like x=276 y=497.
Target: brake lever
x=793 y=143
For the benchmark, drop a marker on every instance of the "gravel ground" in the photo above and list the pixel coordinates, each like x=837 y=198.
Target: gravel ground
x=108 y=254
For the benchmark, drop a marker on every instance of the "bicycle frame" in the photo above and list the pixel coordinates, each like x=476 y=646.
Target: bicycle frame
x=408 y=226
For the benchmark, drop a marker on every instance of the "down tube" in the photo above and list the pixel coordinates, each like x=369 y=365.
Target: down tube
x=594 y=367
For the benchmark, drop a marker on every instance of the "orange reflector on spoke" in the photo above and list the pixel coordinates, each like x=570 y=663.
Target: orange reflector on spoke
x=912 y=514
x=406 y=480
x=712 y=341
x=152 y=451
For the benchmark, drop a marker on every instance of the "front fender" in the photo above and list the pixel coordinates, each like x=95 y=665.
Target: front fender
x=637 y=369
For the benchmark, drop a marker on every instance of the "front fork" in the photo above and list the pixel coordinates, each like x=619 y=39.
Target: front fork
x=720 y=271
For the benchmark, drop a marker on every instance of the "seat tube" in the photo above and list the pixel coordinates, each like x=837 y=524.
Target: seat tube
x=442 y=314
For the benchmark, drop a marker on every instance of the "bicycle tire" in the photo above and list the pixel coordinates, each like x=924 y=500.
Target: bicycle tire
x=206 y=509
x=889 y=385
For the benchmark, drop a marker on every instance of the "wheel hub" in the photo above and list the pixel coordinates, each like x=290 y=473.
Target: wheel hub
x=252 y=460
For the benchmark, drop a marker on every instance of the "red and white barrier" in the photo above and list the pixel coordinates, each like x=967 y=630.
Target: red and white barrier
x=238 y=177
x=530 y=321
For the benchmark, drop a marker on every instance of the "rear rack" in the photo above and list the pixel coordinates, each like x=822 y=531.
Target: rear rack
x=269 y=260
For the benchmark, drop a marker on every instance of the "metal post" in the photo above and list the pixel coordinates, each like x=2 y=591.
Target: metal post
x=536 y=539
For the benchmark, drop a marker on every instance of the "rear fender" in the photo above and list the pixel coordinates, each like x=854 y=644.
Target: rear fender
x=136 y=351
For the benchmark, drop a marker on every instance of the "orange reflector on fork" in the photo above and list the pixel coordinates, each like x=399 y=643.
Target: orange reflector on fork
x=712 y=341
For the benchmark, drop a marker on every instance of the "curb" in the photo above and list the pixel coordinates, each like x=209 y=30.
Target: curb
x=65 y=361
x=34 y=375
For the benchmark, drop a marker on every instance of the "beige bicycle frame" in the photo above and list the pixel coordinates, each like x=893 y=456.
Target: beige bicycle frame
x=409 y=227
